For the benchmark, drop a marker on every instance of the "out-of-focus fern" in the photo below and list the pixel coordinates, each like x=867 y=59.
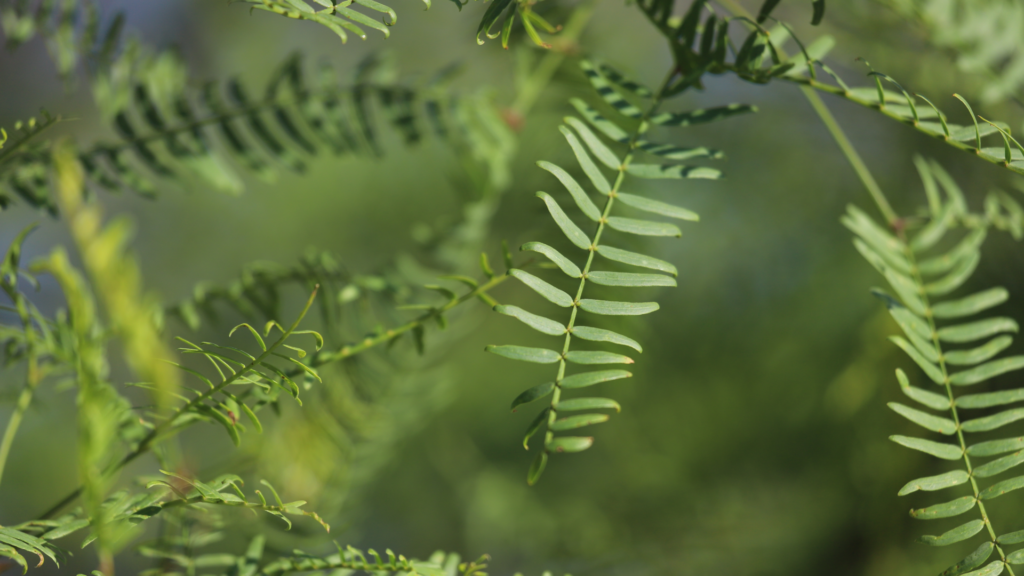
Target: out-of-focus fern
x=618 y=92
x=984 y=38
x=923 y=267
x=336 y=16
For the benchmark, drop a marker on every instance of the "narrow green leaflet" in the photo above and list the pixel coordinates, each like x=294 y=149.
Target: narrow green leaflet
x=597 y=147
x=590 y=378
x=656 y=207
x=620 y=80
x=947 y=261
x=956 y=278
x=534 y=427
x=610 y=308
x=673 y=152
x=602 y=335
x=994 y=421
x=979 y=354
x=977 y=330
x=1011 y=538
x=1004 y=487
x=999 y=465
x=535 y=393
x=526 y=354
x=635 y=259
x=643 y=227
x=570 y=444
x=554 y=256
x=701 y=116
x=988 y=399
x=937 y=449
x=986 y=371
x=929 y=399
x=572 y=422
x=971 y=305
x=958 y=534
x=972 y=561
x=587 y=404
x=584 y=202
x=539 y=323
x=589 y=168
x=925 y=420
x=630 y=279
x=946 y=509
x=569 y=228
x=595 y=119
x=910 y=323
x=586 y=357
x=933 y=483
x=995 y=447
x=608 y=93
x=673 y=171
x=554 y=295
x=930 y=369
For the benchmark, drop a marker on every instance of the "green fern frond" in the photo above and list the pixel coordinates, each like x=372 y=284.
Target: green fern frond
x=924 y=268
x=618 y=92
x=335 y=16
x=14 y=543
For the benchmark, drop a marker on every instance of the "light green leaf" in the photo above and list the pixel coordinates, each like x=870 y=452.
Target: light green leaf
x=590 y=378
x=591 y=357
x=610 y=308
x=910 y=322
x=555 y=256
x=635 y=259
x=584 y=202
x=597 y=147
x=643 y=227
x=572 y=422
x=945 y=510
x=955 y=279
x=907 y=290
x=986 y=423
x=972 y=561
x=878 y=238
x=937 y=449
x=673 y=152
x=929 y=399
x=589 y=168
x=535 y=393
x=602 y=335
x=994 y=447
x=935 y=229
x=536 y=469
x=538 y=355
x=987 y=370
x=656 y=207
x=999 y=465
x=958 y=534
x=987 y=399
x=587 y=404
x=539 y=323
x=701 y=116
x=673 y=171
x=595 y=119
x=554 y=295
x=923 y=419
x=971 y=331
x=979 y=354
x=630 y=279
x=1011 y=538
x=933 y=483
x=931 y=370
x=998 y=489
x=994 y=568
x=620 y=80
x=971 y=305
x=570 y=444
x=569 y=228
x=947 y=261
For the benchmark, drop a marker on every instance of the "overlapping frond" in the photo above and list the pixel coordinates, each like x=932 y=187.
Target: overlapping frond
x=168 y=133
x=583 y=138
x=958 y=345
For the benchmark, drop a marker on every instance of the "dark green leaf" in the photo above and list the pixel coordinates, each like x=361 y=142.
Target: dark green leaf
x=537 y=392
x=608 y=93
x=534 y=426
x=537 y=467
x=673 y=171
x=701 y=116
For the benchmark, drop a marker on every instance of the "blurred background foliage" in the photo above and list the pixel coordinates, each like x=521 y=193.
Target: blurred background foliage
x=753 y=438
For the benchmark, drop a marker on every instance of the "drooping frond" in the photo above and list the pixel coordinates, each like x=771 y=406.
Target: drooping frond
x=339 y=17
x=959 y=352
x=619 y=93
x=168 y=133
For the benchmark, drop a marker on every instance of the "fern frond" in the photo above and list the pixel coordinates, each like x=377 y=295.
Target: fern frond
x=618 y=92
x=924 y=268
x=164 y=133
x=335 y=16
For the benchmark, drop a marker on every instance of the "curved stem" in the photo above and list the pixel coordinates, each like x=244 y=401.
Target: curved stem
x=641 y=129
x=32 y=377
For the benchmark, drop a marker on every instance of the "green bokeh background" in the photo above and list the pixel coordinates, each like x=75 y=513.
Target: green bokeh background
x=753 y=437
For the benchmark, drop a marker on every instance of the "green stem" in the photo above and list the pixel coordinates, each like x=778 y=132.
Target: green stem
x=32 y=378
x=641 y=129
x=564 y=44
x=834 y=129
